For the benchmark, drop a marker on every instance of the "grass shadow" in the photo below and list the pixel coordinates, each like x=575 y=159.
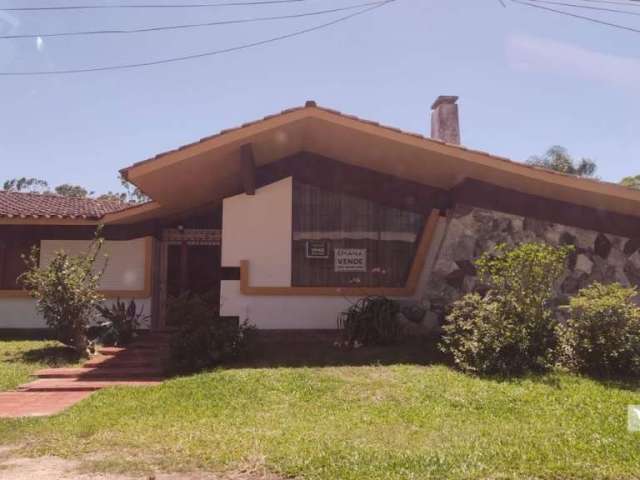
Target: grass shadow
x=53 y=356
x=323 y=353
x=553 y=379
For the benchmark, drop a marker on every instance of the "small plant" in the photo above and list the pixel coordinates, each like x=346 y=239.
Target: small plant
x=204 y=339
x=513 y=328
x=121 y=321
x=371 y=321
x=66 y=292
x=602 y=334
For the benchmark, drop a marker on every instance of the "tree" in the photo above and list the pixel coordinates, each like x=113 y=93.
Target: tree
x=66 y=291
x=557 y=158
x=74 y=191
x=631 y=182
x=134 y=194
x=24 y=184
x=113 y=197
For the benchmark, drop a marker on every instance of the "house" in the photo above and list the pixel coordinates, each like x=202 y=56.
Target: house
x=287 y=220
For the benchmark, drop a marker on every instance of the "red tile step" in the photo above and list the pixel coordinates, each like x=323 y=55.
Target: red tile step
x=140 y=364
x=37 y=404
x=84 y=385
x=135 y=349
x=120 y=361
x=94 y=373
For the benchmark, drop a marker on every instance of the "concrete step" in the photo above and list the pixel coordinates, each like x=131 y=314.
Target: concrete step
x=76 y=385
x=100 y=373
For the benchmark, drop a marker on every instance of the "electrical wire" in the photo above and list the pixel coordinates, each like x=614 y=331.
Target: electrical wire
x=211 y=53
x=189 y=25
x=588 y=7
x=628 y=3
x=150 y=5
x=575 y=15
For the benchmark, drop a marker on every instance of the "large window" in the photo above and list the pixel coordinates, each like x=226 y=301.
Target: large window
x=11 y=263
x=340 y=240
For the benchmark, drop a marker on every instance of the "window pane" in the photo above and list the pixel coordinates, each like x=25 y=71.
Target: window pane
x=340 y=240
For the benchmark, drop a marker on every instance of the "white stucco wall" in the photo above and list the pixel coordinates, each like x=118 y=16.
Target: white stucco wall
x=125 y=271
x=125 y=260
x=258 y=228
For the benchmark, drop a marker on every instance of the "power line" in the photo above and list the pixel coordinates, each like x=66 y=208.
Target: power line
x=190 y=25
x=149 y=5
x=588 y=7
x=211 y=53
x=627 y=3
x=575 y=15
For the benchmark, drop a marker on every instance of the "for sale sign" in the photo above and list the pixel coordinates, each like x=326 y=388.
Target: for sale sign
x=350 y=259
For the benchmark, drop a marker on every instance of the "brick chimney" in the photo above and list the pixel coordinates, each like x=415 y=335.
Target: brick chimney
x=445 y=123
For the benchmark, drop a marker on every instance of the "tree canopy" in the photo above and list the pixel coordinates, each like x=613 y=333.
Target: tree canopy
x=132 y=194
x=632 y=182
x=558 y=158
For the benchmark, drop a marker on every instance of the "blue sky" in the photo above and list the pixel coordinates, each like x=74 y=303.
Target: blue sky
x=526 y=79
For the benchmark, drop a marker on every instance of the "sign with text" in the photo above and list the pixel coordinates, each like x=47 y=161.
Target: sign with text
x=317 y=249
x=350 y=259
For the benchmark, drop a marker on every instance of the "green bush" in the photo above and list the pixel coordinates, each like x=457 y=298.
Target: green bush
x=371 y=321
x=121 y=320
x=204 y=339
x=512 y=329
x=66 y=292
x=602 y=334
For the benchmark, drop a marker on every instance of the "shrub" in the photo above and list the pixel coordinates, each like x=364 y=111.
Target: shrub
x=204 y=339
x=121 y=320
x=602 y=333
x=513 y=328
x=371 y=321
x=66 y=292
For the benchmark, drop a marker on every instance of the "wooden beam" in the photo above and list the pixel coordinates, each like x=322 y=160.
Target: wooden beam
x=248 y=169
x=493 y=197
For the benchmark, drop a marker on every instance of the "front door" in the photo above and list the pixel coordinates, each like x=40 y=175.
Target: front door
x=192 y=265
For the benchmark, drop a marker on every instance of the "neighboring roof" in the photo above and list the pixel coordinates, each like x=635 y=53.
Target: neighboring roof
x=170 y=177
x=35 y=205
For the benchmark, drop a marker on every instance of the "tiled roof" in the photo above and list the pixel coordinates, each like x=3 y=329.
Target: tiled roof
x=35 y=205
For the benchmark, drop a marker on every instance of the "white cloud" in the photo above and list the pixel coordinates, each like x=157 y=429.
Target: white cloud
x=528 y=53
x=39 y=44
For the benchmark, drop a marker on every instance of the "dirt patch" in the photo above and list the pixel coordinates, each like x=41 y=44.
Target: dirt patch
x=48 y=468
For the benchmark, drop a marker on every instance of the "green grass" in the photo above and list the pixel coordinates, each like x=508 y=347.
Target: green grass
x=20 y=358
x=378 y=422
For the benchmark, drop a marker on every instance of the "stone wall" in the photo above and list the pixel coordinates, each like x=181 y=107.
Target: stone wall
x=473 y=231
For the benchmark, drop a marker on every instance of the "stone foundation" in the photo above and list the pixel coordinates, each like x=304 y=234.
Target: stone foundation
x=473 y=231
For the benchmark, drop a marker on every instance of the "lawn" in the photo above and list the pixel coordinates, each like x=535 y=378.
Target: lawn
x=20 y=358
x=369 y=422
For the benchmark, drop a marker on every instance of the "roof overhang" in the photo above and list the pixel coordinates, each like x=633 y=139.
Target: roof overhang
x=210 y=170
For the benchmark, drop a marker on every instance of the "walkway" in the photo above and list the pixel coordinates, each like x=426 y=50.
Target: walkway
x=140 y=364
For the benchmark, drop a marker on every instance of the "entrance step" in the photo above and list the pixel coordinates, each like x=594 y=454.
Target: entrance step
x=37 y=404
x=121 y=361
x=85 y=385
x=150 y=349
x=100 y=373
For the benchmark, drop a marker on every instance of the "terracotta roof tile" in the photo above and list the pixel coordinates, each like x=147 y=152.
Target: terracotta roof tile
x=35 y=205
